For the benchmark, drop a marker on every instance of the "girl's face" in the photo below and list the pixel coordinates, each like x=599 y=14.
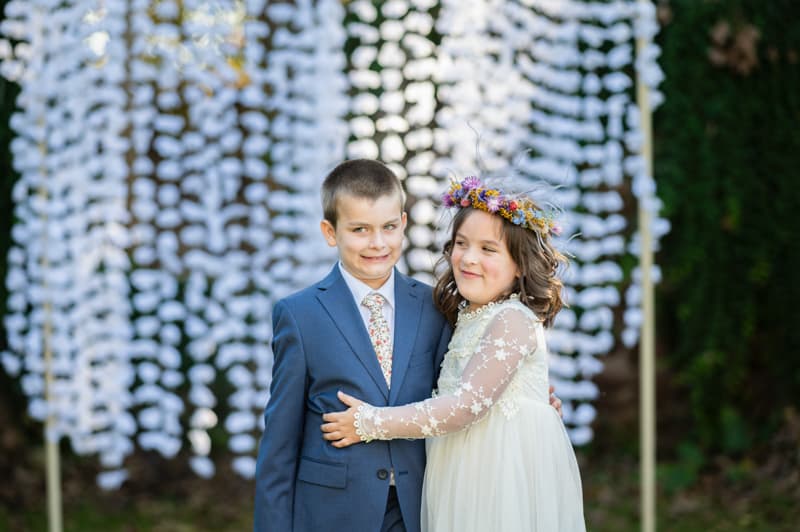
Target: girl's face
x=482 y=265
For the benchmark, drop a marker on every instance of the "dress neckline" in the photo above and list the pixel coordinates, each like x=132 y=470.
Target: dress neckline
x=464 y=314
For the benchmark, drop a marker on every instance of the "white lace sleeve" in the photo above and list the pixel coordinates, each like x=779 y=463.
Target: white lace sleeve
x=508 y=339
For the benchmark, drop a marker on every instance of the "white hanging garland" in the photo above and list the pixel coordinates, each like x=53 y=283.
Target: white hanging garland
x=68 y=267
x=579 y=104
x=215 y=123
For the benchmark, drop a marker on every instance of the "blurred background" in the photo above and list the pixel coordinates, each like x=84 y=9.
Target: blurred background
x=726 y=159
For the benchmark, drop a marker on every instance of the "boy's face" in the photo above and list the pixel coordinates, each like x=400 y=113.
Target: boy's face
x=369 y=235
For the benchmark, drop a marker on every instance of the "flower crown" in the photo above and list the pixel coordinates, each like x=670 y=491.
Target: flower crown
x=519 y=211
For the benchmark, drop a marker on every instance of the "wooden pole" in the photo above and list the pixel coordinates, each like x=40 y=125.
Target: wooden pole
x=53 y=459
x=52 y=456
x=647 y=342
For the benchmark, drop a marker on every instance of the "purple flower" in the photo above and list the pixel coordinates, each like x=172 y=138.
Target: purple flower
x=493 y=204
x=471 y=182
x=556 y=229
x=447 y=200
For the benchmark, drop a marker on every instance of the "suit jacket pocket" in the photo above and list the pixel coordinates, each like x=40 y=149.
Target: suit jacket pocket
x=327 y=474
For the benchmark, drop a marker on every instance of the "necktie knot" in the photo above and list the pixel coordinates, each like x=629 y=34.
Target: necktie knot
x=374 y=302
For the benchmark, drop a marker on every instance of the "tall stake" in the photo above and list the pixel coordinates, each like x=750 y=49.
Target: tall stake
x=52 y=457
x=647 y=403
x=51 y=442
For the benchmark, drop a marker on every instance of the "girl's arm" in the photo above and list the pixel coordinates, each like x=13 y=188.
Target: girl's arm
x=508 y=339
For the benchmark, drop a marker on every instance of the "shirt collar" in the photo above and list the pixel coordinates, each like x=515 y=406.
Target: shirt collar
x=360 y=289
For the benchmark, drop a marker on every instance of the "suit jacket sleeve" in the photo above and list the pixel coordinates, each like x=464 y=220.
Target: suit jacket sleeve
x=279 y=451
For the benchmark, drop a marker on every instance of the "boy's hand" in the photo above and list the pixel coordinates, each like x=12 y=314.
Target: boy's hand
x=340 y=428
x=555 y=402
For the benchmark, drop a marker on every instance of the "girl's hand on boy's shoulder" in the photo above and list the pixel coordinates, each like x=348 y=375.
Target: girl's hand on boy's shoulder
x=339 y=427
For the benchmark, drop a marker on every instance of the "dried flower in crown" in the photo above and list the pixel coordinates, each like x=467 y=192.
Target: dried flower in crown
x=518 y=210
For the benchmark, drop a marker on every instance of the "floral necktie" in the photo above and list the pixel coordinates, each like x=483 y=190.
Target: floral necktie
x=379 y=333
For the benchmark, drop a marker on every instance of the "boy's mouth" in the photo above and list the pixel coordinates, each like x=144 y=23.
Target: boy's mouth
x=379 y=258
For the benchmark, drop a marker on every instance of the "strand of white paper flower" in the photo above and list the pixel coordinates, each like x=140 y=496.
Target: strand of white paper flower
x=644 y=187
x=28 y=267
x=247 y=362
x=156 y=172
x=567 y=135
x=109 y=305
x=304 y=77
x=219 y=280
x=68 y=260
x=485 y=98
x=393 y=109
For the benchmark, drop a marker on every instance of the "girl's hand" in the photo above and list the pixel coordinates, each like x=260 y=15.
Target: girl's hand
x=339 y=427
x=555 y=402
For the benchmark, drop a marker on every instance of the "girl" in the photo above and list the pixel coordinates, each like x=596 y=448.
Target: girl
x=500 y=459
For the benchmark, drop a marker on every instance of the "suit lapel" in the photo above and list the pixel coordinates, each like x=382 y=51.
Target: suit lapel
x=407 y=315
x=336 y=298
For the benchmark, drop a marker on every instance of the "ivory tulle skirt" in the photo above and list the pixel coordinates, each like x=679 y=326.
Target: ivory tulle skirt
x=504 y=475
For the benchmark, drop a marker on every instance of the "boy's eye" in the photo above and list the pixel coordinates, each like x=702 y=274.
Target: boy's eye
x=359 y=229
x=390 y=227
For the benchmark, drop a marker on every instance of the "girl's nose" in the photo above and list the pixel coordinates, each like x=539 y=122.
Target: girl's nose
x=469 y=257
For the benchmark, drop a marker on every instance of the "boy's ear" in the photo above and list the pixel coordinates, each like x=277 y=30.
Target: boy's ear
x=328 y=232
x=404 y=220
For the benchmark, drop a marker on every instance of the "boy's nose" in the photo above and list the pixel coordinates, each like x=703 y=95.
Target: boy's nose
x=377 y=240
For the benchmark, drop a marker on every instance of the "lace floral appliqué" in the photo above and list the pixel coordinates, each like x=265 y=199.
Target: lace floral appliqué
x=485 y=354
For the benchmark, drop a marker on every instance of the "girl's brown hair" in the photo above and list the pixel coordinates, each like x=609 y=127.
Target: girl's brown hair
x=538 y=284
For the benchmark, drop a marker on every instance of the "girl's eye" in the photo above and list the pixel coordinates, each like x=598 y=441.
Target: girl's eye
x=459 y=243
x=489 y=250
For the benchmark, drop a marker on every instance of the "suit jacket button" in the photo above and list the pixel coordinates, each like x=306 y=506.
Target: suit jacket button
x=383 y=474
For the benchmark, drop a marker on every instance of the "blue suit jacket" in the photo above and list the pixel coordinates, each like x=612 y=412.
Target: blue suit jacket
x=320 y=345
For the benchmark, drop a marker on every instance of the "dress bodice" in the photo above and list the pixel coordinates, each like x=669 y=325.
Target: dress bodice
x=529 y=380
x=496 y=357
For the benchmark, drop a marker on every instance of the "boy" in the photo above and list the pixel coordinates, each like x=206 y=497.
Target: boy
x=322 y=345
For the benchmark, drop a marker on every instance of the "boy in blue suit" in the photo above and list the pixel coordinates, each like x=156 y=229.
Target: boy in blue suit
x=321 y=345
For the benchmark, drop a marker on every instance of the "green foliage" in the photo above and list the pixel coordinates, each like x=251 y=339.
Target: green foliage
x=727 y=150
x=683 y=472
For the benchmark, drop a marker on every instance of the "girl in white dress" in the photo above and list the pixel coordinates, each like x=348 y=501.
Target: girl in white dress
x=498 y=458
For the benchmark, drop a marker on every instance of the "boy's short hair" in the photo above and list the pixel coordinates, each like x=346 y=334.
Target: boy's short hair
x=360 y=178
